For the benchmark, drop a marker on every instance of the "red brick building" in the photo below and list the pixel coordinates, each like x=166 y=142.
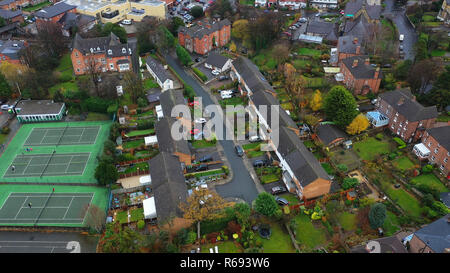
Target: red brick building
x=54 y=13
x=407 y=118
x=206 y=35
x=348 y=46
x=11 y=16
x=13 y=4
x=102 y=54
x=360 y=76
x=437 y=140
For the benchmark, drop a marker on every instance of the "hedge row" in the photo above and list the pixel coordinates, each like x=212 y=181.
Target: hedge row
x=200 y=74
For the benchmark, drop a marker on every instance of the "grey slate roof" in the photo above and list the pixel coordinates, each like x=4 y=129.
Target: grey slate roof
x=358 y=28
x=102 y=45
x=346 y=44
x=390 y=244
x=442 y=136
x=153 y=95
x=165 y=141
x=169 y=99
x=361 y=70
x=302 y=162
x=54 y=10
x=251 y=75
x=353 y=6
x=445 y=198
x=436 y=235
x=8 y=14
x=6 y=2
x=410 y=108
x=168 y=185
x=71 y=19
x=216 y=60
x=158 y=69
x=329 y=133
x=325 y=29
x=38 y=107
x=199 y=31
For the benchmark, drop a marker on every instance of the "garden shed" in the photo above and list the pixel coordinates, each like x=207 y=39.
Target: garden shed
x=151 y=140
x=149 y=208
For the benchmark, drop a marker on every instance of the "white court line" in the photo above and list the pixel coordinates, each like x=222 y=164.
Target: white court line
x=6 y=200
x=67 y=209
x=67 y=167
x=20 y=208
x=84 y=129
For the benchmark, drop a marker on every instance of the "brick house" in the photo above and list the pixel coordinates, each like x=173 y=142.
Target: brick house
x=437 y=140
x=292 y=4
x=206 y=35
x=360 y=76
x=12 y=16
x=102 y=53
x=407 y=118
x=13 y=4
x=349 y=46
x=53 y=13
x=432 y=238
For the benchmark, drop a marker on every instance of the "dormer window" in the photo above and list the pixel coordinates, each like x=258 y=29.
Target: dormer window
x=124 y=50
x=109 y=52
x=129 y=50
x=98 y=48
x=92 y=50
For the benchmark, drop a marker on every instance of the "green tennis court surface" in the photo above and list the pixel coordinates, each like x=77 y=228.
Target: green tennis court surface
x=62 y=136
x=60 y=208
x=48 y=165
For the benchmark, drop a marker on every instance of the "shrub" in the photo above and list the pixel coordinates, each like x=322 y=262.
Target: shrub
x=200 y=74
x=349 y=183
x=144 y=125
x=400 y=142
x=6 y=130
x=392 y=156
x=189 y=92
x=342 y=168
x=140 y=224
x=142 y=102
x=427 y=169
x=379 y=136
x=440 y=208
x=377 y=215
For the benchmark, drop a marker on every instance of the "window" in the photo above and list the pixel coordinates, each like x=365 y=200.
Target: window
x=429 y=144
x=433 y=158
x=445 y=160
x=441 y=167
x=109 y=52
x=76 y=54
x=78 y=62
x=436 y=151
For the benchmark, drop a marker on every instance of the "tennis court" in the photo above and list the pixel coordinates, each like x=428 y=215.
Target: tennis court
x=46 y=208
x=62 y=136
x=48 y=165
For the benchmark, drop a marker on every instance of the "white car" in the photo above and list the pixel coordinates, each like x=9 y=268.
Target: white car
x=200 y=120
x=215 y=72
x=5 y=107
x=226 y=92
x=126 y=22
x=254 y=139
x=225 y=96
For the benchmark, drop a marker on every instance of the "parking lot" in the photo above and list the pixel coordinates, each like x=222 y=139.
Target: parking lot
x=183 y=7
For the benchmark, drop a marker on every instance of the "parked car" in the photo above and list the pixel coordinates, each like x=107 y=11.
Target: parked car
x=374 y=101
x=206 y=158
x=259 y=163
x=5 y=107
x=215 y=72
x=239 y=150
x=197 y=60
x=201 y=167
x=200 y=120
x=400 y=47
x=401 y=37
x=281 y=201
x=278 y=189
x=254 y=139
x=223 y=78
x=226 y=96
x=303 y=20
x=126 y=22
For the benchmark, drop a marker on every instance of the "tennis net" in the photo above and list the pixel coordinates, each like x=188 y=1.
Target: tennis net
x=43 y=207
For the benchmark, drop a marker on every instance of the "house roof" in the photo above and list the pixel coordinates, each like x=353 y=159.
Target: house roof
x=201 y=30
x=442 y=136
x=302 y=162
x=6 y=2
x=390 y=244
x=348 y=44
x=165 y=140
x=54 y=10
x=7 y=14
x=361 y=70
x=102 y=45
x=168 y=185
x=153 y=94
x=359 y=27
x=71 y=19
x=251 y=75
x=353 y=6
x=216 y=60
x=445 y=198
x=36 y=107
x=158 y=69
x=325 y=29
x=328 y=133
x=169 y=99
x=410 y=108
x=436 y=235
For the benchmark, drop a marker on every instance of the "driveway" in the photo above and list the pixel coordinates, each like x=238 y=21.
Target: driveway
x=398 y=16
x=242 y=185
x=40 y=242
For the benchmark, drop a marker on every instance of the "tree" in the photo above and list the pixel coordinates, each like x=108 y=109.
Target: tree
x=402 y=69
x=118 y=239
x=2 y=22
x=377 y=215
x=222 y=8
x=94 y=69
x=282 y=50
x=268 y=26
x=233 y=47
x=240 y=29
x=316 y=102
x=95 y=217
x=349 y=183
x=203 y=204
x=340 y=106
x=242 y=212
x=197 y=11
x=13 y=73
x=175 y=24
x=50 y=40
x=133 y=85
x=146 y=32
x=5 y=89
x=359 y=124
x=116 y=29
x=106 y=173
x=183 y=55
x=422 y=73
x=265 y=204
x=165 y=38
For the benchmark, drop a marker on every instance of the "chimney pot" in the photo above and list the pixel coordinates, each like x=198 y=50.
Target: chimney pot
x=355 y=40
x=367 y=61
x=355 y=63
x=401 y=101
x=358 y=49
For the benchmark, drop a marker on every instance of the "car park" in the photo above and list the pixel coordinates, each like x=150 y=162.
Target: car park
x=281 y=201
x=278 y=189
x=239 y=150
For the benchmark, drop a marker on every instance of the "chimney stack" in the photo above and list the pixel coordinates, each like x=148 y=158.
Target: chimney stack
x=367 y=61
x=377 y=73
x=358 y=49
x=401 y=101
x=355 y=63
x=355 y=40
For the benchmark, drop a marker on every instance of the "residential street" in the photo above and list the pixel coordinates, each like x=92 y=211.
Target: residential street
x=398 y=16
x=242 y=185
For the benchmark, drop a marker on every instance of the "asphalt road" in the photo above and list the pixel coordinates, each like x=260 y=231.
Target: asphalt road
x=38 y=242
x=398 y=16
x=242 y=185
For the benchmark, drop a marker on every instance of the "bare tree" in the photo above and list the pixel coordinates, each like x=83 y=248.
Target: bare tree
x=94 y=69
x=51 y=40
x=95 y=217
x=133 y=85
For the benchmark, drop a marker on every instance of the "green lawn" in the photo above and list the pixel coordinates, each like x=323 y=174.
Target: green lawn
x=209 y=173
x=65 y=68
x=64 y=87
x=142 y=166
x=150 y=83
x=247 y=2
x=391 y=224
x=231 y=101
x=252 y=154
x=3 y=138
x=347 y=221
x=140 y=132
x=443 y=118
x=307 y=234
x=309 y=52
x=279 y=242
x=428 y=18
x=327 y=167
x=122 y=217
x=301 y=64
x=431 y=180
x=315 y=82
x=38 y=6
x=438 y=53
x=136 y=214
x=202 y=143
x=224 y=247
x=133 y=144
x=405 y=200
x=269 y=178
x=92 y=116
x=291 y=198
x=369 y=148
x=251 y=146
x=403 y=163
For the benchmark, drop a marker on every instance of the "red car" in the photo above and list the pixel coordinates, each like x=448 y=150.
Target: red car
x=194 y=103
x=195 y=131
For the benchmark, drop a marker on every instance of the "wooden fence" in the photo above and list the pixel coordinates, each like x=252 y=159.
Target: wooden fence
x=126 y=163
x=136 y=173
